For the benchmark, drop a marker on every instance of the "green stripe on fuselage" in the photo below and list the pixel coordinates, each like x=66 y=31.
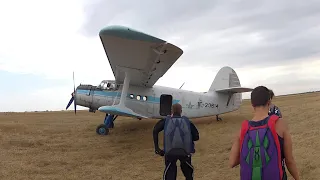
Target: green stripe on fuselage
x=150 y=99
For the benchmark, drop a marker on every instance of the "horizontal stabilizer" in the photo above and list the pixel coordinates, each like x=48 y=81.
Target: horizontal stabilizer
x=120 y=111
x=234 y=90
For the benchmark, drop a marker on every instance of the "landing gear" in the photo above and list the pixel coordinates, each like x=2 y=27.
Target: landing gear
x=218 y=118
x=92 y=110
x=103 y=129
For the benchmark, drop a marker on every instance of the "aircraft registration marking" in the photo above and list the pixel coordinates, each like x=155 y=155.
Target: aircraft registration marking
x=207 y=105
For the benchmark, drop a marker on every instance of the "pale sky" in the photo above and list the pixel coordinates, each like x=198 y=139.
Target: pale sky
x=271 y=43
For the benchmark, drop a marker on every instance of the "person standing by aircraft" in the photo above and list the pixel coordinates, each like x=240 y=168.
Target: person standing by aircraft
x=273 y=108
x=258 y=138
x=179 y=136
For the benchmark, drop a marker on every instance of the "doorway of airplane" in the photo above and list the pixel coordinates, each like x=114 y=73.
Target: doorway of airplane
x=165 y=104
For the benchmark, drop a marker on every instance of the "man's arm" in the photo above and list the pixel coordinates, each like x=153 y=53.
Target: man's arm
x=288 y=154
x=156 y=129
x=194 y=132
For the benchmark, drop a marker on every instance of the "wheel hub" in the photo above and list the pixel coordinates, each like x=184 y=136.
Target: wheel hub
x=102 y=130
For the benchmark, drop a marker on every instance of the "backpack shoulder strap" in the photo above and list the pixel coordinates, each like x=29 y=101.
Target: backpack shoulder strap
x=243 y=131
x=272 y=121
x=272 y=126
x=166 y=122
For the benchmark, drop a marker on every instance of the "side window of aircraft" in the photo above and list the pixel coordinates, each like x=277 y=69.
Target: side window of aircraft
x=138 y=97
x=145 y=98
x=131 y=96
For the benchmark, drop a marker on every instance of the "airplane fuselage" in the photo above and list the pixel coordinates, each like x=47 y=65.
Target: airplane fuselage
x=146 y=101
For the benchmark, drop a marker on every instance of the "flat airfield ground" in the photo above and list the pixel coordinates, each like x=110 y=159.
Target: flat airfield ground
x=60 y=145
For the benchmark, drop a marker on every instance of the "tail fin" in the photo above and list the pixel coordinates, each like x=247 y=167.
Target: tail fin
x=227 y=81
x=227 y=84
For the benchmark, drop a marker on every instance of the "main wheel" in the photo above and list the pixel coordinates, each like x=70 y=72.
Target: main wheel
x=102 y=130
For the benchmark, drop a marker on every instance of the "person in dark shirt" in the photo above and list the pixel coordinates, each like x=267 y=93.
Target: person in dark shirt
x=173 y=154
x=273 y=108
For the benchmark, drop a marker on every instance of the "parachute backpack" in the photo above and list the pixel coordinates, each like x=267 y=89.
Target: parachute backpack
x=177 y=134
x=260 y=153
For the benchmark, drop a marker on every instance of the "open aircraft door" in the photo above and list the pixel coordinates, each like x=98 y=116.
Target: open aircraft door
x=165 y=104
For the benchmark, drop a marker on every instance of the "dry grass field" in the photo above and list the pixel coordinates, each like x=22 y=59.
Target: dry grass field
x=60 y=145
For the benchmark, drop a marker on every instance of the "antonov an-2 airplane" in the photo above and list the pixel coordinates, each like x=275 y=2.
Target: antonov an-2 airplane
x=138 y=60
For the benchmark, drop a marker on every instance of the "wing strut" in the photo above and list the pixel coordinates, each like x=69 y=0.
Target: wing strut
x=121 y=109
x=125 y=88
x=229 y=98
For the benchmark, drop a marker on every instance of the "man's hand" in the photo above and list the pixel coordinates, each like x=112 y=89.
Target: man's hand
x=159 y=152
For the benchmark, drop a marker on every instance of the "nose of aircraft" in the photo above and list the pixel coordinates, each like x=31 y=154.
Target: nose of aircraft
x=73 y=98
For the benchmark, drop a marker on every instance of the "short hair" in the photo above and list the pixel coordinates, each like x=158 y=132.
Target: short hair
x=260 y=96
x=271 y=94
x=176 y=108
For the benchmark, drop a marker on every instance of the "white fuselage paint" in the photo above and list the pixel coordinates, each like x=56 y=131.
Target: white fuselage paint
x=212 y=103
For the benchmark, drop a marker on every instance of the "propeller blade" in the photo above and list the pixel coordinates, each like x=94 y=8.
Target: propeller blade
x=74 y=85
x=75 y=106
x=70 y=102
x=74 y=95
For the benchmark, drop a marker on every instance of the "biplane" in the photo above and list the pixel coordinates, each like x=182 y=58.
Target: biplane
x=137 y=61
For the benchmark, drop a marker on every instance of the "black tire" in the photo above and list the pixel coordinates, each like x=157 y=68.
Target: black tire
x=102 y=130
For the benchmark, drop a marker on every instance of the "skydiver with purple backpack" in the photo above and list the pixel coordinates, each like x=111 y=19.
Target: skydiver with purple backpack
x=263 y=147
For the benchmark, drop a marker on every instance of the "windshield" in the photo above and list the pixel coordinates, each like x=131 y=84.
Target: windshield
x=109 y=86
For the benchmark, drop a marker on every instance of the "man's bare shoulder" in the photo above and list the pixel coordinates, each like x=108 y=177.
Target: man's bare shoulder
x=282 y=124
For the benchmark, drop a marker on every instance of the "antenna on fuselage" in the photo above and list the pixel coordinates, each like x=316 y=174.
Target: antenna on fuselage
x=181 y=85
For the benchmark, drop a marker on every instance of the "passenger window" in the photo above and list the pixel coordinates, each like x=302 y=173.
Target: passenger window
x=145 y=98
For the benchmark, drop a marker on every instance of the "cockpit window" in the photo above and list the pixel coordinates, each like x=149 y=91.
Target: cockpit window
x=101 y=85
x=109 y=86
x=104 y=86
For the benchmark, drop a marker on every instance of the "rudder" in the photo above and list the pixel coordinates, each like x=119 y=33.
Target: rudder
x=225 y=78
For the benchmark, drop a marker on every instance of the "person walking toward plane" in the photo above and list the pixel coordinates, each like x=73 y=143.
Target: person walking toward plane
x=273 y=108
x=263 y=146
x=179 y=136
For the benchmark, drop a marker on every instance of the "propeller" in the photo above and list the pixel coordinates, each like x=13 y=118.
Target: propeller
x=73 y=98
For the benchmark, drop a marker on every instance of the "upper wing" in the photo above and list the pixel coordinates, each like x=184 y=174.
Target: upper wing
x=234 y=90
x=148 y=58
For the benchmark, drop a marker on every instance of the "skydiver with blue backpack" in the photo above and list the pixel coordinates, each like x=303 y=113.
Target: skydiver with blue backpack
x=263 y=147
x=179 y=136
